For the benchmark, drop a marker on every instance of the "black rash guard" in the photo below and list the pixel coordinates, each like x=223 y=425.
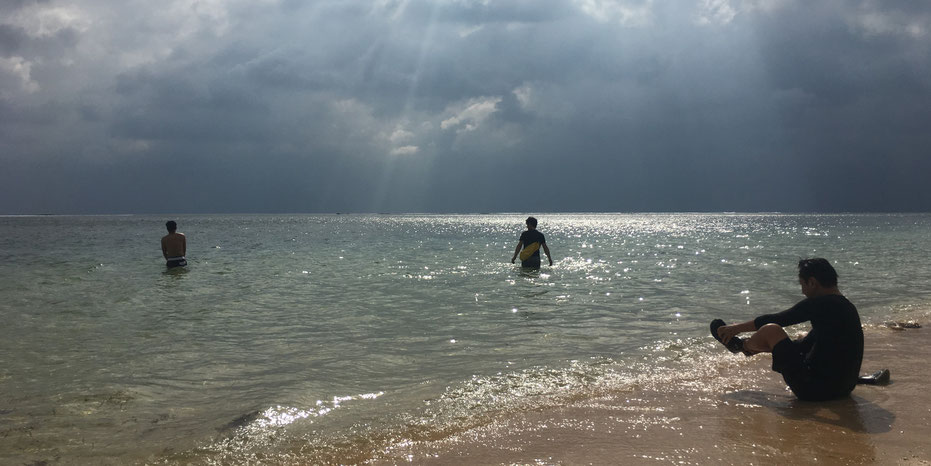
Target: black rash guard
x=529 y=237
x=833 y=349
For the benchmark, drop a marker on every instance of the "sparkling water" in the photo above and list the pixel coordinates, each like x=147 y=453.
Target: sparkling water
x=330 y=337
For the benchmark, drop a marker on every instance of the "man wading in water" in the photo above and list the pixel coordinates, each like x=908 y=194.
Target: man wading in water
x=531 y=241
x=174 y=246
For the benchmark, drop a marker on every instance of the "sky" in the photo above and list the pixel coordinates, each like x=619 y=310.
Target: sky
x=249 y=106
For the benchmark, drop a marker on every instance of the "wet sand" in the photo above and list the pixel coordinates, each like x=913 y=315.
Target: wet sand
x=741 y=414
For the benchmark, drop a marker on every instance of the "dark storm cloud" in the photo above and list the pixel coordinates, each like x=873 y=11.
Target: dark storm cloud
x=823 y=56
x=519 y=11
x=11 y=39
x=10 y=6
x=464 y=106
x=183 y=109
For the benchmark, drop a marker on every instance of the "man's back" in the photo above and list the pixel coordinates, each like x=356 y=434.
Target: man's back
x=529 y=237
x=174 y=245
x=837 y=336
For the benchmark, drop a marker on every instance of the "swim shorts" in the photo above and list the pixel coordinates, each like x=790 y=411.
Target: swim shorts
x=533 y=262
x=789 y=360
x=175 y=262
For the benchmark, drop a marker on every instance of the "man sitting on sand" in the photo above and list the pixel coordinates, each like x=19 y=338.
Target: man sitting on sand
x=825 y=363
x=174 y=246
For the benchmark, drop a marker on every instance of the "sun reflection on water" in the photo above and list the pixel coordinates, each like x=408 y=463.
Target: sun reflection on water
x=278 y=416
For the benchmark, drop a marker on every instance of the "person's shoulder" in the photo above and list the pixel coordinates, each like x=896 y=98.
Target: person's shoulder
x=807 y=304
x=832 y=297
x=829 y=301
x=840 y=300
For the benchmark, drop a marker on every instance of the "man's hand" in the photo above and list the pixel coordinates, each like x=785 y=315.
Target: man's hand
x=726 y=332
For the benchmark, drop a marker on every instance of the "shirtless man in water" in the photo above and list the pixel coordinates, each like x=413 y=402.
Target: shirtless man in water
x=174 y=246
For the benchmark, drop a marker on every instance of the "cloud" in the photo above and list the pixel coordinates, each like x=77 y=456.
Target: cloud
x=716 y=12
x=440 y=105
x=401 y=135
x=630 y=13
x=405 y=150
x=41 y=19
x=20 y=70
x=467 y=116
x=878 y=20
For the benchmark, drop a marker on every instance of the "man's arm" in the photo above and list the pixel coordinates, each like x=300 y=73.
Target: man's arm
x=165 y=247
x=547 y=250
x=183 y=245
x=800 y=312
x=517 y=251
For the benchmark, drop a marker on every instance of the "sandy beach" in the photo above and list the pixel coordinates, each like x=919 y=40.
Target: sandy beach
x=745 y=416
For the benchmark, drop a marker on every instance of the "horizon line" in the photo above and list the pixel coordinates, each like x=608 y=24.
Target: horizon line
x=581 y=212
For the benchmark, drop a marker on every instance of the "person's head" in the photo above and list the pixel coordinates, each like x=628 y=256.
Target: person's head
x=531 y=223
x=171 y=226
x=816 y=270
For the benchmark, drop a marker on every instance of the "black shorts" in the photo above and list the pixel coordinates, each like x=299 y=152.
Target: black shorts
x=533 y=262
x=807 y=384
x=176 y=263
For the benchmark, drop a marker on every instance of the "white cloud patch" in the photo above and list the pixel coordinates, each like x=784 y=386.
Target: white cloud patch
x=626 y=13
x=174 y=26
x=468 y=31
x=198 y=15
x=405 y=150
x=20 y=69
x=470 y=115
x=400 y=135
x=875 y=22
x=544 y=100
x=716 y=12
x=40 y=21
x=524 y=95
x=401 y=142
x=711 y=12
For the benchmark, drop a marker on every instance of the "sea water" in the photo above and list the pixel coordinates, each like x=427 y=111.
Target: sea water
x=333 y=338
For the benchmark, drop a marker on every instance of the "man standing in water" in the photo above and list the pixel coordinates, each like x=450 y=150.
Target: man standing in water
x=531 y=241
x=825 y=363
x=174 y=246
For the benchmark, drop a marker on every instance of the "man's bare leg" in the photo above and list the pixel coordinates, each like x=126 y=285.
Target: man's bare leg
x=764 y=339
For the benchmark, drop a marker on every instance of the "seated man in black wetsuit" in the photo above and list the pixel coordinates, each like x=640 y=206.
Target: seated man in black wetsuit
x=531 y=241
x=822 y=365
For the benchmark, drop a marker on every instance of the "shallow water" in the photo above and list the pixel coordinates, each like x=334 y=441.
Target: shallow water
x=331 y=337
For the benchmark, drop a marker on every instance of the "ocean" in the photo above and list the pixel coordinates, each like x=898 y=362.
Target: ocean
x=341 y=338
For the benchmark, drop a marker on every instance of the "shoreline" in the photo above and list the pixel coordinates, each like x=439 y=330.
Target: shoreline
x=745 y=416
x=731 y=410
